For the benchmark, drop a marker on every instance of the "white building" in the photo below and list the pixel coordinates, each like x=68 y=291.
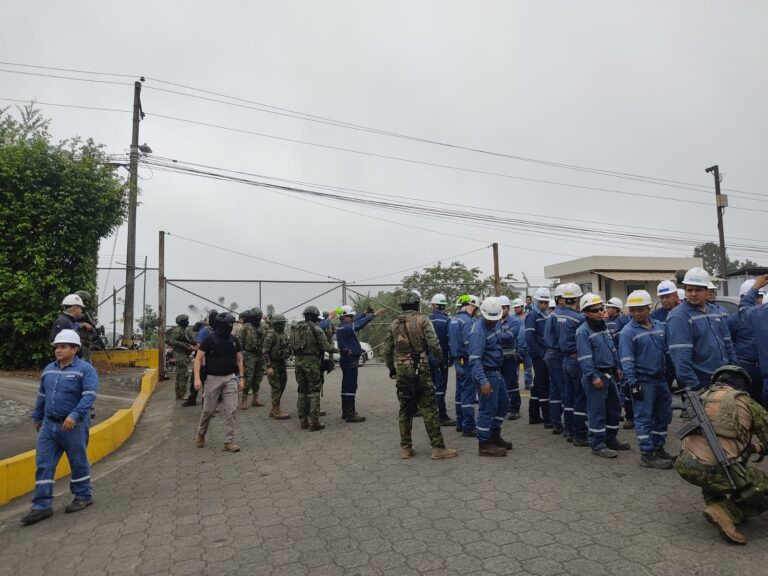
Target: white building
x=618 y=276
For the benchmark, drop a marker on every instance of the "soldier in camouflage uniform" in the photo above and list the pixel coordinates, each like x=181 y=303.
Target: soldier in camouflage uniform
x=409 y=339
x=85 y=329
x=736 y=418
x=252 y=338
x=309 y=344
x=276 y=350
x=181 y=339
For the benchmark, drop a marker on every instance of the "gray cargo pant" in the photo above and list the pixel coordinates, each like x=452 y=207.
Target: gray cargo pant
x=227 y=385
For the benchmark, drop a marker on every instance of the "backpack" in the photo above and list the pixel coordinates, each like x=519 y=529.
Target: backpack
x=302 y=339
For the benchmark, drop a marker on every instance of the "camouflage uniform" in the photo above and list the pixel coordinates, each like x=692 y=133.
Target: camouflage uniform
x=751 y=495
x=276 y=350
x=309 y=375
x=413 y=333
x=180 y=339
x=252 y=338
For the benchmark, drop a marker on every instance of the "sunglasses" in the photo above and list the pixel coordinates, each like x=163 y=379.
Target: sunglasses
x=596 y=310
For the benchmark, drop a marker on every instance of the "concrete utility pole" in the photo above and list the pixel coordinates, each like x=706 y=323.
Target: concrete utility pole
x=527 y=285
x=496 y=279
x=161 y=305
x=721 y=201
x=130 y=264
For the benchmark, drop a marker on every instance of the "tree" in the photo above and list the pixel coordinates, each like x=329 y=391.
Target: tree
x=57 y=201
x=709 y=252
x=453 y=281
x=148 y=325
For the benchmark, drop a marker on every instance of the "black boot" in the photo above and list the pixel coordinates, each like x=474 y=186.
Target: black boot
x=348 y=412
x=534 y=416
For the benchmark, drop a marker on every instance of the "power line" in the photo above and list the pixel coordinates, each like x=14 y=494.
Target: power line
x=65 y=105
x=93 y=80
x=422 y=265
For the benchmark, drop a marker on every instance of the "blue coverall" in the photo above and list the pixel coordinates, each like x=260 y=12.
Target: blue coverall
x=661 y=314
x=643 y=355
x=699 y=343
x=745 y=345
x=349 y=354
x=615 y=326
x=485 y=360
x=458 y=342
x=560 y=413
x=573 y=392
x=439 y=368
x=64 y=392
x=512 y=336
x=598 y=358
x=535 y=323
x=756 y=318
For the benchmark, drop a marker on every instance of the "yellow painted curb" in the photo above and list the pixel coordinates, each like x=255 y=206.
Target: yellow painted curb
x=17 y=473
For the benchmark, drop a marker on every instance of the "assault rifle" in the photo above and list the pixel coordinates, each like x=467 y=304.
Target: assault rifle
x=97 y=334
x=413 y=392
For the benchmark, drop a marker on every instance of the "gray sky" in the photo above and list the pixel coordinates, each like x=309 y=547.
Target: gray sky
x=653 y=88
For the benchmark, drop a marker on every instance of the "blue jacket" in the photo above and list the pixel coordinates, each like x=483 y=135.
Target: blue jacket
x=458 y=334
x=346 y=337
x=643 y=352
x=513 y=335
x=596 y=352
x=660 y=314
x=66 y=392
x=743 y=337
x=699 y=343
x=552 y=328
x=522 y=343
x=484 y=350
x=440 y=323
x=534 y=333
x=756 y=318
x=568 y=321
x=615 y=326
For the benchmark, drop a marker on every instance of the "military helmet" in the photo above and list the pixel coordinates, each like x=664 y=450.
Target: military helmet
x=410 y=297
x=256 y=312
x=244 y=315
x=181 y=317
x=84 y=296
x=732 y=375
x=278 y=319
x=311 y=311
x=225 y=318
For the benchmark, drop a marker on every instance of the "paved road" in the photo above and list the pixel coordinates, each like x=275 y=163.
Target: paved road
x=341 y=502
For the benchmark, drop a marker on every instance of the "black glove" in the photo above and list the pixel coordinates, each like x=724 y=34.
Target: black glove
x=369 y=310
x=636 y=391
x=393 y=373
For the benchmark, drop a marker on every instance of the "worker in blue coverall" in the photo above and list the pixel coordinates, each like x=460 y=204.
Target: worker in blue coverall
x=568 y=321
x=68 y=388
x=601 y=371
x=745 y=344
x=458 y=342
x=485 y=359
x=669 y=299
x=615 y=320
x=520 y=309
x=560 y=404
x=511 y=330
x=756 y=317
x=349 y=356
x=643 y=355
x=535 y=322
x=439 y=368
x=697 y=335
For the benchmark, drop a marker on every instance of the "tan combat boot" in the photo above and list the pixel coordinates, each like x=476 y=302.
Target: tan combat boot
x=315 y=425
x=244 y=402
x=200 y=441
x=231 y=447
x=304 y=423
x=406 y=452
x=443 y=453
x=278 y=414
x=255 y=401
x=718 y=517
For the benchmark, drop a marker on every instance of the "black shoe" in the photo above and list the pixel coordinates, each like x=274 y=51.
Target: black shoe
x=36 y=515
x=604 y=452
x=189 y=402
x=499 y=441
x=664 y=455
x=652 y=460
x=557 y=431
x=568 y=438
x=458 y=429
x=514 y=416
x=580 y=442
x=618 y=445
x=471 y=433
x=354 y=417
x=535 y=420
x=447 y=422
x=77 y=505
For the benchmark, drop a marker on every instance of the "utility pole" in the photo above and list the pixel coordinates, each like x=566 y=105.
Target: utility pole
x=130 y=264
x=161 y=306
x=721 y=201
x=496 y=280
x=527 y=284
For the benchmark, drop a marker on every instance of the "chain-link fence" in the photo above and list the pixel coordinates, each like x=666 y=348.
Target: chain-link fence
x=110 y=308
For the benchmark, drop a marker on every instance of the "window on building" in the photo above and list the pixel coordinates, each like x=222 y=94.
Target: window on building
x=632 y=286
x=586 y=287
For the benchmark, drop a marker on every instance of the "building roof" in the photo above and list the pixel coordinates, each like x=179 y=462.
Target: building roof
x=623 y=276
x=661 y=264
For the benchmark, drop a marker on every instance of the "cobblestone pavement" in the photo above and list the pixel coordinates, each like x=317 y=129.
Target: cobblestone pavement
x=341 y=502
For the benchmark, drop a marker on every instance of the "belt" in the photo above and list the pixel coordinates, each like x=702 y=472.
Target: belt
x=571 y=354
x=56 y=418
x=490 y=369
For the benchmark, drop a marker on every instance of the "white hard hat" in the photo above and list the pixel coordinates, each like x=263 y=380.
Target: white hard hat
x=666 y=287
x=67 y=337
x=504 y=301
x=491 y=308
x=552 y=303
x=346 y=310
x=639 y=298
x=474 y=300
x=747 y=285
x=572 y=290
x=541 y=294
x=615 y=303
x=72 y=300
x=439 y=299
x=588 y=300
x=697 y=277
x=517 y=302
x=681 y=294
x=559 y=289
x=711 y=286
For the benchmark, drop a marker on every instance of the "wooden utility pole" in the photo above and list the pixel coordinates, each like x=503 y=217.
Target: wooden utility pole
x=130 y=263
x=721 y=201
x=496 y=279
x=161 y=306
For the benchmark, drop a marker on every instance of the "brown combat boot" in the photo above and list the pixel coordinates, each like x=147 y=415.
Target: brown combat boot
x=718 y=517
x=231 y=447
x=278 y=414
x=406 y=452
x=490 y=449
x=499 y=441
x=244 y=402
x=200 y=441
x=443 y=453
x=255 y=401
x=315 y=425
x=304 y=423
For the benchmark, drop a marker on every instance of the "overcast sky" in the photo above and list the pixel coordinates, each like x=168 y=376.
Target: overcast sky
x=662 y=89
